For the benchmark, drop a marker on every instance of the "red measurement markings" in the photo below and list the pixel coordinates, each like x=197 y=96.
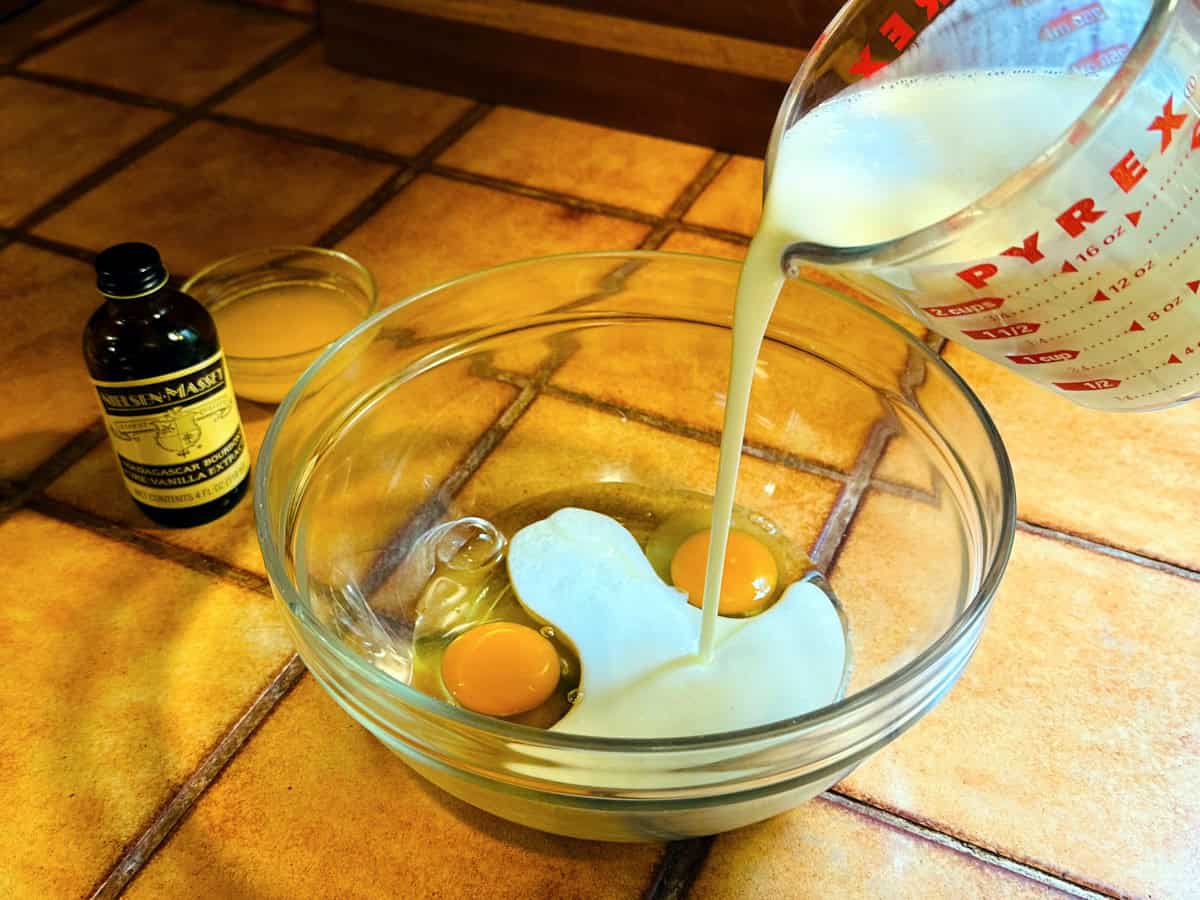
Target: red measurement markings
x=1091 y=251
x=1171 y=305
x=1038 y=359
x=1016 y=329
x=1095 y=384
x=1175 y=359
x=1127 y=172
x=898 y=30
x=1100 y=60
x=966 y=308
x=1072 y=20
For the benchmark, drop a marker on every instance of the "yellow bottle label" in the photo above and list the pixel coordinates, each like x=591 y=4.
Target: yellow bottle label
x=178 y=437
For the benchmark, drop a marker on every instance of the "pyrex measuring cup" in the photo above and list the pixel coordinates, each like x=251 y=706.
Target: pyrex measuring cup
x=1080 y=271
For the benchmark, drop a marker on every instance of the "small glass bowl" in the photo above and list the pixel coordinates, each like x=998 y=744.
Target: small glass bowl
x=277 y=309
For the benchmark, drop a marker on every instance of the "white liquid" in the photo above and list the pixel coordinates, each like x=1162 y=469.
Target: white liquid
x=873 y=165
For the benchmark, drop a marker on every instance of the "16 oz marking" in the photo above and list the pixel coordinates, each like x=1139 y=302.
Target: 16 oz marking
x=1092 y=249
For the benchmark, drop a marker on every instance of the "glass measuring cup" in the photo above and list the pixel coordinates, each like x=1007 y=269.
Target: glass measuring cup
x=1079 y=267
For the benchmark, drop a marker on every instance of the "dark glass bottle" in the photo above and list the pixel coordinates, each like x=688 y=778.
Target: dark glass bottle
x=164 y=392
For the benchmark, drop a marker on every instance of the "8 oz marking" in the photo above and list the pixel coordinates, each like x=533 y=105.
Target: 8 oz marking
x=1171 y=304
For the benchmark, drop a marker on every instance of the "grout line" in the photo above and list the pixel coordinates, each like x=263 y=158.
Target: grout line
x=691 y=193
x=169 y=817
x=152 y=545
x=160 y=135
x=1084 y=543
x=311 y=138
x=655 y=238
x=828 y=544
x=94 y=89
x=436 y=506
x=451 y=134
x=262 y=68
x=62 y=248
x=964 y=847
x=66 y=34
x=678 y=869
x=721 y=234
x=582 y=204
x=378 y=198
x=58 y=462
x=710 y=436
x=371 y=204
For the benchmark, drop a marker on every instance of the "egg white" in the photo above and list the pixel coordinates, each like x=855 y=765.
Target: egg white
x=583 y=573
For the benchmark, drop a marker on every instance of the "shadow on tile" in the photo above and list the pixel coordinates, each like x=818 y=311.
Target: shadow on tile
x=124 y=670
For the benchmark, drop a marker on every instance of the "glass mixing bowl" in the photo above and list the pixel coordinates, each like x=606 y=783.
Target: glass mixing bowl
x=863 y=448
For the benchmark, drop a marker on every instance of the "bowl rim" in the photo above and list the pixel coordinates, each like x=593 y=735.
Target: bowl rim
x=298 y=356
x=960 y=630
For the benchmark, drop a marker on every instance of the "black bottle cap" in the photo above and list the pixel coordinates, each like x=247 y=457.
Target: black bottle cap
x=129 y=270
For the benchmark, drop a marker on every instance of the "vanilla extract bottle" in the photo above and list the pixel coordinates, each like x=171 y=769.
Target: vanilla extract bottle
x=164 y=392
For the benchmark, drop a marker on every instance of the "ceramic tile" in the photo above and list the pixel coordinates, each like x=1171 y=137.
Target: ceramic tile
x=214 y=190
x=308 y=95
x=121 y=672
x=52 y=137
x=445 y=432
x=45 y=301
x=1123 y=479
x=734 y=200
x=618 y=167
x=437 y=229
x=899 y=578
x=690 y=242
x=181 y=51
x=558 y=445
x=823 y=849
x=1071 y=740
x=314 y=806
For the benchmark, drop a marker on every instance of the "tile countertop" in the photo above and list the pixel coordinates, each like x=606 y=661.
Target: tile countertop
x=160 y=738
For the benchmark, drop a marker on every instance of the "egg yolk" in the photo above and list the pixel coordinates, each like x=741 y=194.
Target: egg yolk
x=750 y=572
x=501 y=669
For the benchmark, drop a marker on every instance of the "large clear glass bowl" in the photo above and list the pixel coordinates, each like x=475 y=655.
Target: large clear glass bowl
x=863 y=447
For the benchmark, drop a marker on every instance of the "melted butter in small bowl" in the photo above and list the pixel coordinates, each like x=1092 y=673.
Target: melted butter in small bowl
x=277 y=309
